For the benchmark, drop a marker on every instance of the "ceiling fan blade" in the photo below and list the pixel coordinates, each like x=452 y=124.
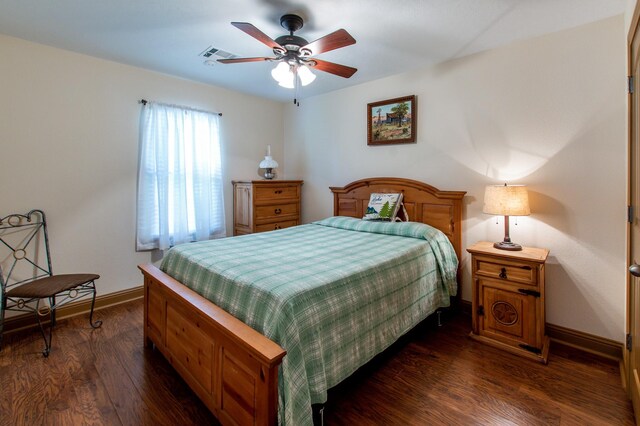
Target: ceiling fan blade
x=238 y=60
x=335 y=40
x=337 y=69
x=257 y=34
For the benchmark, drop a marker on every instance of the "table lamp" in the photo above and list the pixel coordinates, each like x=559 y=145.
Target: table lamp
x=506 y=200
x=268 y=164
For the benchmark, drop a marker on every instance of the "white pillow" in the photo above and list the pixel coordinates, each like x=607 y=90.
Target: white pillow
x=383 y=206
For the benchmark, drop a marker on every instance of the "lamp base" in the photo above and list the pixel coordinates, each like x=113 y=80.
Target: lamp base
x=269 y=174
x=507 y=245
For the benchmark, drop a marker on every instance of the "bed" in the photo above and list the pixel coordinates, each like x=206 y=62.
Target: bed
x=235 y=369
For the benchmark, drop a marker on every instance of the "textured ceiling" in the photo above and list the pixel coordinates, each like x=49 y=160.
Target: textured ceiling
x=392 y=36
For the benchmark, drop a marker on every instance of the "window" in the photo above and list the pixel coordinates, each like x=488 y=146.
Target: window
x=179 y=177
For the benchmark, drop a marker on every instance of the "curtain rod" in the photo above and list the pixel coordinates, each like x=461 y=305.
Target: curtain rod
x=144 y=102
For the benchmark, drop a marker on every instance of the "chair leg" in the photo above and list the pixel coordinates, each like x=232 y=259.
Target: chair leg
x=52 y=302
x=47 y=342
x=3 y=307
x=93 y=302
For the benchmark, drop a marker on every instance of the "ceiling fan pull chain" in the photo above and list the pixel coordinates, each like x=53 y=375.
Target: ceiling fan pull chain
x=296 y=85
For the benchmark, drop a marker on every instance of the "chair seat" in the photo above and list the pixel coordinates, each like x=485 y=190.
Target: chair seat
x=50 y=286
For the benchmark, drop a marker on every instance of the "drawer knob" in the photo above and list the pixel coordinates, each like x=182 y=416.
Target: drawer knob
x=277 y=211
x=277 y=226
x=278 y=191
x=503 y=273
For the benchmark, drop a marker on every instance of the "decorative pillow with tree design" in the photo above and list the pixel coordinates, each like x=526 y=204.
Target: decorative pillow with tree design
x=383 y=207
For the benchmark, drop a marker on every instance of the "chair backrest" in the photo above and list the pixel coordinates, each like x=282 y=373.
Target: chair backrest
x=24 y=249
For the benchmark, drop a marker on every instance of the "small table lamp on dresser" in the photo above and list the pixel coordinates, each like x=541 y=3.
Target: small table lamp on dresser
x=269 y=165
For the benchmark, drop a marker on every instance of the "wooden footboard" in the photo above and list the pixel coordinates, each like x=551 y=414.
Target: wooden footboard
x=229 y=365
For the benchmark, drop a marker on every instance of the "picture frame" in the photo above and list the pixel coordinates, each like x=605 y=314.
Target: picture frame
x=392 y=121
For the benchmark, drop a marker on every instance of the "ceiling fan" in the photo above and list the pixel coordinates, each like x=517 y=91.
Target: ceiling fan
x=295 y=54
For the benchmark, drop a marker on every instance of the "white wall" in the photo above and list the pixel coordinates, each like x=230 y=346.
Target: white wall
x=69 y=145
x=548 y=113
x=630 y=6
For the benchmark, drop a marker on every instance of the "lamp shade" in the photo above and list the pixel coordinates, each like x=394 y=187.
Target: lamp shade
x=287 y=83
x=268 y=163
x=281 y=72
x=503 y=200
x=306 y=76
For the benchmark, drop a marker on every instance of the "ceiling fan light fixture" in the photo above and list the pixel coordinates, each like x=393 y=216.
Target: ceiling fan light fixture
x=281 y=72
x=305 y=74
x=287 y=83
x=284 y=75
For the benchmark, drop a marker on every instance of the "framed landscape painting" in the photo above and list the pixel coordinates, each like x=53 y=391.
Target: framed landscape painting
x=392 y=121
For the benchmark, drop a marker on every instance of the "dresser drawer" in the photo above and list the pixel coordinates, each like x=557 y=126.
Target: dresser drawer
x=274 y=211
x=276 y=225
x=275 y=193
x=522 y=272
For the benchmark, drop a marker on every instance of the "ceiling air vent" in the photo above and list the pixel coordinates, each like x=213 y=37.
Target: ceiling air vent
x=214 y=53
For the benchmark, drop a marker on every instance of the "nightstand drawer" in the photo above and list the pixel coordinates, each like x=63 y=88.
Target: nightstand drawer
x=276 y=211
x=276 y=225
x=521 y=272
x=276 y=193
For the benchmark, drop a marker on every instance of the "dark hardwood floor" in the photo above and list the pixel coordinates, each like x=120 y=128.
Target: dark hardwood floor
x=432 y=376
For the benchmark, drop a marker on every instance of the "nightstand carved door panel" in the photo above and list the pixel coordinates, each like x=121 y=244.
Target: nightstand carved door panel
x=506 y=315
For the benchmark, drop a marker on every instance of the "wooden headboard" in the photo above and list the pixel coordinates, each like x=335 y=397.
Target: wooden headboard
x=424 y=203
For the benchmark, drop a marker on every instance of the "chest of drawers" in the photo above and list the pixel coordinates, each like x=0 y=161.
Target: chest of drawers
x=265 y=205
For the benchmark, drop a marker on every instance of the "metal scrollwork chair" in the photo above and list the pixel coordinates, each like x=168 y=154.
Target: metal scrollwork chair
x=28 y=282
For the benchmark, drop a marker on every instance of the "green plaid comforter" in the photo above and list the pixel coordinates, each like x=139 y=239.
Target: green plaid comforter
x=333 y=293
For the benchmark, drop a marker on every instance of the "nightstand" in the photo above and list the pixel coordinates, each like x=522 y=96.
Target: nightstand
x=508 y=299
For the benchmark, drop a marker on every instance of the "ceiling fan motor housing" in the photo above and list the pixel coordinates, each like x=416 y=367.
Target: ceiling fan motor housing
x=291 y=23
x=291 y=42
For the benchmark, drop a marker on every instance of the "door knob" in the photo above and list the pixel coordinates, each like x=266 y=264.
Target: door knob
x=635 y=270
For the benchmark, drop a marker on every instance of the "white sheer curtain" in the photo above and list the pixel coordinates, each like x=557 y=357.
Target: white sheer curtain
x=179 y=177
